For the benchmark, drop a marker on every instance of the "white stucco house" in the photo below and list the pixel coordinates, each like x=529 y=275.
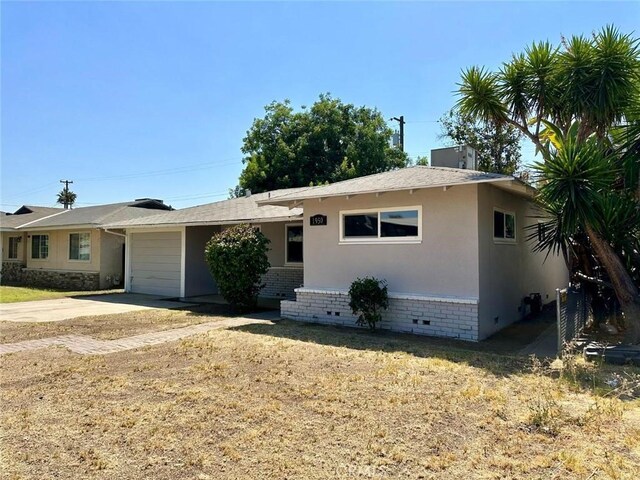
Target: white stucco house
x=450 y=243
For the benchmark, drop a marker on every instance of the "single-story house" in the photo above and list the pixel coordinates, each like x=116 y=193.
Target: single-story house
x=451 y=243
x=13 y=242
x=165 y=252
x=69 y=249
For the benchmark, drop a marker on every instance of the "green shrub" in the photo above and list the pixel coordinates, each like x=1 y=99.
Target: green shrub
x=368 y=298
x=237 y=258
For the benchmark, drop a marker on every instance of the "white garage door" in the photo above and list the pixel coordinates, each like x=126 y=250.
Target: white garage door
x=156 y=262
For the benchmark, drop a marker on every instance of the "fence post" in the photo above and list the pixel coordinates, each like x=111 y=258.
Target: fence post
x=559 y=323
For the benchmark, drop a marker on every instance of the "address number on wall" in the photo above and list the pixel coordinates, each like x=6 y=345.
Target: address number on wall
x=318 y=220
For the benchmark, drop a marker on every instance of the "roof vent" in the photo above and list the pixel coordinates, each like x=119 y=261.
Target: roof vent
x=146 y=199
x=247 y=193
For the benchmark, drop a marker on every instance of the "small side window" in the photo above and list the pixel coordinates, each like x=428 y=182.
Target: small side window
x=504 y=225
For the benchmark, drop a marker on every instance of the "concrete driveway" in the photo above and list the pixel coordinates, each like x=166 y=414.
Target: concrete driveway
x=82 y=306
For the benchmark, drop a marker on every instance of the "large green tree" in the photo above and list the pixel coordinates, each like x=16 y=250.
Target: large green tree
x=497 y=145
x=329 y=142
x=577 y=103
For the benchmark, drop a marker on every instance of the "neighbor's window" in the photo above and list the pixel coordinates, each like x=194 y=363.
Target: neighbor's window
x=79 y=246
x=384 y=224
x=294 y=243
x=13 y=248
x=504 y=225
x=40 y=246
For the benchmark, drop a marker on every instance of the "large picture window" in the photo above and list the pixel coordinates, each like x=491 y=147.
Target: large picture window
x=504 y=225
x=294 y=244
x=13 y=248
x=40 y=247
x=80 y=246
x=388 y=224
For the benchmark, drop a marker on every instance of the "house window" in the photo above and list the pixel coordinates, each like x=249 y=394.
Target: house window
x=80 y=246
x=293 y=245
x=382 y=225
x=13 y=248
x=504 y=225
x=40 y=247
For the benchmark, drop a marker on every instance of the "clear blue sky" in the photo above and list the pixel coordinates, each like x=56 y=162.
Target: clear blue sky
x=142 y=99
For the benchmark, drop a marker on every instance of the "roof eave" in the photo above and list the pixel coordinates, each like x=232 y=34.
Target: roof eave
x=295 y=200
x=206 y=223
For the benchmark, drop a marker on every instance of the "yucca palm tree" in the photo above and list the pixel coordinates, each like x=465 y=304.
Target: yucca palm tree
x=576 y=192
x=577 y=103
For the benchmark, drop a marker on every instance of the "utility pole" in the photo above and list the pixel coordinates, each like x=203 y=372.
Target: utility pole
x=66 y=192
x=401 y=121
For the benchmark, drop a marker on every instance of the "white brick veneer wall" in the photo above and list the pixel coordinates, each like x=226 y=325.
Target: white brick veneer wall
x=422 y=315
x=281 y=282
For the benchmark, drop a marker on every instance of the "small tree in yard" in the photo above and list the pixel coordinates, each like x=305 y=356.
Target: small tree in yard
x=237 y=258
x=368 y=297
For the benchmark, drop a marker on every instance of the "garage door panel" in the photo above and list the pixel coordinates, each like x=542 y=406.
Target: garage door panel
x=156 y=262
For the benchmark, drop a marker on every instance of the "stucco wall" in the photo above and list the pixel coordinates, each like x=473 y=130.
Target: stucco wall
x=444 y=263
x=21 y=246
x=198 y=279
x=111 y=260
x=59 y=252
x=510 y=271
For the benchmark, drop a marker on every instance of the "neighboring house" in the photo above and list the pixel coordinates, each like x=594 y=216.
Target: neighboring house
x=71 y=249
x=165 y=252
x=13 y=242
x=451 y=244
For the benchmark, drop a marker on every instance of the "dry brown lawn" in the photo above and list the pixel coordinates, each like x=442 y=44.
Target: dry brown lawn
x=109 y=327
x=304 y=401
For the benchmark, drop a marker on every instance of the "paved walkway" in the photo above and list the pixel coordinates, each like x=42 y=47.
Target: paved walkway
x=545 y=345
x=82 y=306
x=90 y=346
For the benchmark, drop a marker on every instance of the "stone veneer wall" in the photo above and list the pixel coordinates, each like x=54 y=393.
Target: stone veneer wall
x=281 y=282
x=61 y=279
x=422 y=315
x=11 y=272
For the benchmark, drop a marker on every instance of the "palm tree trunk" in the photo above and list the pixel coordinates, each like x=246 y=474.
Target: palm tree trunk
x=623 y=286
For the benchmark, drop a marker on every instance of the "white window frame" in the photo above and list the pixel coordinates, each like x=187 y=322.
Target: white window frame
x=17 y=241
x=287 y=263
x=69 y=249
x=39 y=258
x=380 y=239
x=515 y=226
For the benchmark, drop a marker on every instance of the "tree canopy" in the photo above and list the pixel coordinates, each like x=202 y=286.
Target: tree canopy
x=497 y=145
x=329 y=142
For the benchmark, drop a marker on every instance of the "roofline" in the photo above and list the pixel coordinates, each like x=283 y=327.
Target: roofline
x=286 y=201
x=39 y=219
x=78 y=226
x=203 y=223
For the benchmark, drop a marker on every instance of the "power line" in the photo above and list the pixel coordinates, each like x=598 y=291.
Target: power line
x=168 y=171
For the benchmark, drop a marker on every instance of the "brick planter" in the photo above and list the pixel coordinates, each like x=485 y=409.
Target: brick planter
x=281 y=282
x=63 y=280
x=422 y=315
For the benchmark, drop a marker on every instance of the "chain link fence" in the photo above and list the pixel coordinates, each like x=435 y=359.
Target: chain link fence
x=573 y=314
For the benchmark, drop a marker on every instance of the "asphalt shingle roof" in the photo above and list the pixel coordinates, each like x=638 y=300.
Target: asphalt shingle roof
x=97 y=215
x=403 y=179
x=10 y=221
x=242 y=209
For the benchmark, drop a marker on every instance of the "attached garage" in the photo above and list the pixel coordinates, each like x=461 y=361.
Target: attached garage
x=155 y=263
